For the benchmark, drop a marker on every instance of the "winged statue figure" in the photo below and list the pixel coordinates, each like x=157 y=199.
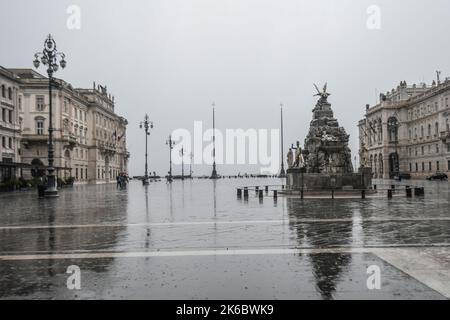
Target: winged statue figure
x=322 y=94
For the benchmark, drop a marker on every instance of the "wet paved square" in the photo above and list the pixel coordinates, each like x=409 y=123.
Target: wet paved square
x=196 y=240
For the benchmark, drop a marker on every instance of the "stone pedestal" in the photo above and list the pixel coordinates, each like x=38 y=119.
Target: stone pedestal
x=298 y=179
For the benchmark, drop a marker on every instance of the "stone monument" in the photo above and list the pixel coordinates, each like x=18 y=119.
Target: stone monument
x=325 y=162
x=326 y=145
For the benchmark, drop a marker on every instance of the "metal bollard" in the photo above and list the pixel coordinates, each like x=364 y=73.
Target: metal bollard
x=363 y=194
x=389 y=194
x=408 y=192
x=419 y=191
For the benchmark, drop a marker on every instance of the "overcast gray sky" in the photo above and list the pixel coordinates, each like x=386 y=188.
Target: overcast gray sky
x=172 y=58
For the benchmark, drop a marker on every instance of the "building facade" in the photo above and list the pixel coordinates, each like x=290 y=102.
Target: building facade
x=407 y=131
x=86 y=148
x=9 y=125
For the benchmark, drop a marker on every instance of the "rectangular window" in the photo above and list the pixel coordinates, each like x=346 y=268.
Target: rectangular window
x=10 y=145
x=10 y=116
x=4 y=114
x=76 y=173
x=417 y=167
x=40 y=127
x=40 y=103
x=437 y=166
x=448 y=164
x=423 y=166
x=410 y=167
x=429 y=166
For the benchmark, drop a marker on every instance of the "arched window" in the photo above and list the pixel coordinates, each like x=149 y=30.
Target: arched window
x=436 y=128
x=380 y=131
x=393 y=129
x=9 y=93
x=66 y=126
x=380 y=166
x=375 y=164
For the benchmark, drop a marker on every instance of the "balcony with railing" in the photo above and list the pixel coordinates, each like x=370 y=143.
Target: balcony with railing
x=9 y=126
x=107 y=147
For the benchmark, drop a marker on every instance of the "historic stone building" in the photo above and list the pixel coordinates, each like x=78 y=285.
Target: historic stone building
x=9 y=125
x=408 y=131
x=108 y=155
x=89 y=137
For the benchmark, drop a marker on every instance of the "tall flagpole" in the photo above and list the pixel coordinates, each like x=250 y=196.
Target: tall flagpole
x=282 y=172
x=214 y=172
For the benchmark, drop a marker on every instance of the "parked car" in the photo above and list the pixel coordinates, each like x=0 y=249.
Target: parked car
x=402 y=176
x=438 y=176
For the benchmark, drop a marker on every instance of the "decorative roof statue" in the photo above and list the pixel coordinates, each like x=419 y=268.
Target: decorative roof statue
x=322 y=94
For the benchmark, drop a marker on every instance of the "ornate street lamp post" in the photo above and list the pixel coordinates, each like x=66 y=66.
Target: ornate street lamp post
x=170 y=143
x=146 y=124
x=52 y=59
x=393 y=126
x=191 y=156
x=182 y=162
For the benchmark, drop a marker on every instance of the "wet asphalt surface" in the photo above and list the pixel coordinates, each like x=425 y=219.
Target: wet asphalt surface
x=93 y=225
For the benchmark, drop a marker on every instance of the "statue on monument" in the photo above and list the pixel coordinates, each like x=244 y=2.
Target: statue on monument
x=290 y=158
x=299 y=161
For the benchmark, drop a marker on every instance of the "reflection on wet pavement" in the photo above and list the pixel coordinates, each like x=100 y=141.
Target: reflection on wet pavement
x=205 y=215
